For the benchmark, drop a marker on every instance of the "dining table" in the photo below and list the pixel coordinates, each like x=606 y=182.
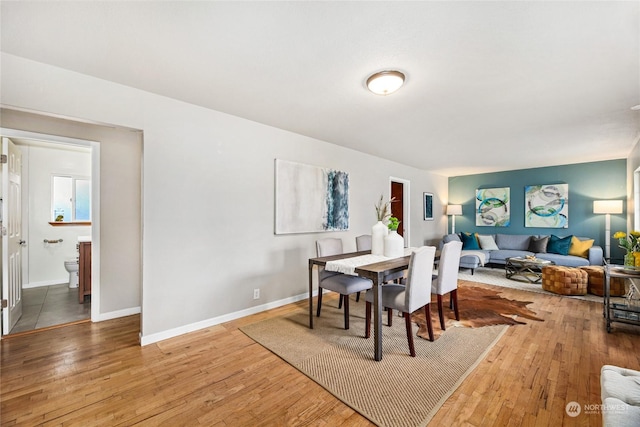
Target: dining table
x=381 y=270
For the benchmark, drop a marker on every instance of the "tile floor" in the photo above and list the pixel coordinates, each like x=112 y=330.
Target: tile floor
x=50 y=305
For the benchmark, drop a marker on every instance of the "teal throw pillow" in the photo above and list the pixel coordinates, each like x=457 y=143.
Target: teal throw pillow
x=470 y=241
x=559 y=245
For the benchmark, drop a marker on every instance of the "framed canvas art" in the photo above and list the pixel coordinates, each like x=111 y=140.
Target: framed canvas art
x=493 y=207
x=428 y=206
x=546 y=206
x=310 y=198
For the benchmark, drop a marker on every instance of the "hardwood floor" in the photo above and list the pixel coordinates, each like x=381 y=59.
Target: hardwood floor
x=97 y=374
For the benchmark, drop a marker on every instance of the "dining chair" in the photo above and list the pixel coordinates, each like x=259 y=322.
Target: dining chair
x=411 y=296
x=363 y=243
x=344 y=284
x=446 y=282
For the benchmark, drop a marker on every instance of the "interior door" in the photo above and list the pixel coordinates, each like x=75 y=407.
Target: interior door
x=397 y=207
x=11 y=235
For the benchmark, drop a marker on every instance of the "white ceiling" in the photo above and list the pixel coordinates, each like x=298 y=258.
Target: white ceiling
x=490 y=85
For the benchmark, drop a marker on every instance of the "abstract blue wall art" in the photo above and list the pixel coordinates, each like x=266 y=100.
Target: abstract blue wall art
x=546 y=206
x=493 y=207
x=310 y=198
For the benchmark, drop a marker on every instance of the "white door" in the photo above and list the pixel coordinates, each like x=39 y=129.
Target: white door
x=11 y=236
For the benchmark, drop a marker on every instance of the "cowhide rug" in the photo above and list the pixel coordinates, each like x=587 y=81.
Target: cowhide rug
x=478 y=307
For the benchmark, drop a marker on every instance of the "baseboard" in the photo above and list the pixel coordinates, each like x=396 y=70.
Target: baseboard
x=171 y=333
x=44 y=283
x=116 y=314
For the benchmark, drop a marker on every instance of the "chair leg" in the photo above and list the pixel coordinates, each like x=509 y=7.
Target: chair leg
x=407 y=321
x=346 y=311
x=367 y=320
x=427 y=313
x=358 y=297
x=340 y=301
x=389 y=316
x=319 y=301
x=440 y=313
x=454 y=300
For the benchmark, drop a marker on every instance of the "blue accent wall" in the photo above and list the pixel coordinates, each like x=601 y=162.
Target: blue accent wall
x=587 y=182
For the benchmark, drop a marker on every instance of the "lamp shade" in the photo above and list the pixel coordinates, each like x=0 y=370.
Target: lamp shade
x=607 y=206
x=454 y=209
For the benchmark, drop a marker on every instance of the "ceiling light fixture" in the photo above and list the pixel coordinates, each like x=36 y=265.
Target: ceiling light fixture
x=385 y=82
x=636 y=107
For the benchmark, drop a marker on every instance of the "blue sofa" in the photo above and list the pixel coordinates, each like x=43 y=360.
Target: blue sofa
x=499 y=247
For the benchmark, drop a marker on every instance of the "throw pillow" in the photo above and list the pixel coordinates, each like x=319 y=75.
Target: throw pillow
x=469 y=241
x=487 y=243
x=538 y=245
x=559 y=245
x=580 y=247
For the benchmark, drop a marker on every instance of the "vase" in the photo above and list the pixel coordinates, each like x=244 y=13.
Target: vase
x=630 y=259
x=378 y=233
x=393 y=245
x=636 y=257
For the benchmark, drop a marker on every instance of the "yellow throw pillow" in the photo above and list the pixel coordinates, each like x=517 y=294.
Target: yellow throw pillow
x=580 y=247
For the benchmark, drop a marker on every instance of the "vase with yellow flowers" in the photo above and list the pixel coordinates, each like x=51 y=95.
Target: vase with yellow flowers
x=631 y=244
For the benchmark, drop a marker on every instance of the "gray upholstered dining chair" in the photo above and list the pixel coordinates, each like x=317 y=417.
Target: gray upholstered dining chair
x=413 y=295
x=363 y=242
x=344 y=284
x=446 y=282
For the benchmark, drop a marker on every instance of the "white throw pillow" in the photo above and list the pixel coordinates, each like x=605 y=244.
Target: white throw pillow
x=487 y=243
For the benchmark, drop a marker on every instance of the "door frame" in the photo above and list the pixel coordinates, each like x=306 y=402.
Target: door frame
x=406 y=206
x=95 y=202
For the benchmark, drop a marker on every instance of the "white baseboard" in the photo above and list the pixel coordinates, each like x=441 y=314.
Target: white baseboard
x=45 y=283
x=171 y=333
x=116 y=314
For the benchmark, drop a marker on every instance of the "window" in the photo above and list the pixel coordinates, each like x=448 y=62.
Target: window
x=71 y=199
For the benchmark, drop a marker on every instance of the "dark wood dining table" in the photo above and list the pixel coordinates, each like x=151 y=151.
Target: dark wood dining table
x=379 y=273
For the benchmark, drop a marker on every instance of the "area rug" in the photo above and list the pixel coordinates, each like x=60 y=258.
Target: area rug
x=478 y=306
x=496 y=276
x=399 y=390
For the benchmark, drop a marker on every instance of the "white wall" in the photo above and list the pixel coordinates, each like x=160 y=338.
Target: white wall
x=45 y=264
x=208 y=196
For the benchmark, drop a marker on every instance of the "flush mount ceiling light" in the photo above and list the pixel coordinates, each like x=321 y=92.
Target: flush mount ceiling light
x=636 y=107
x=385 y=82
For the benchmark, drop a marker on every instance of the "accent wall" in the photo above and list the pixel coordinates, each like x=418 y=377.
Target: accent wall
x=606 y=180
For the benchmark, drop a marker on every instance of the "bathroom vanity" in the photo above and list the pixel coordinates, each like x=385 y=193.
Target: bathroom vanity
x=84 y=269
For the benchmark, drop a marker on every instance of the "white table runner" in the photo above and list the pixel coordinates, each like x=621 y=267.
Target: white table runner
x=349 y=265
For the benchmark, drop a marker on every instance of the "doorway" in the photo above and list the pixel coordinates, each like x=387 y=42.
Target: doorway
x=48 y=246
x=399 y=189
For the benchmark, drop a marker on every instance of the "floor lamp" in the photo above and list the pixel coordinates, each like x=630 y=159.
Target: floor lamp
x=607 y=207
x=454 y=210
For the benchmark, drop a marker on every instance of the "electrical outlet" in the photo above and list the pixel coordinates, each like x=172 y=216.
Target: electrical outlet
x=256 y=294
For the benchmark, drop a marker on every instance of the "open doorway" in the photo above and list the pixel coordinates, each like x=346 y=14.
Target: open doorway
x=55 y=172
x=399 y=189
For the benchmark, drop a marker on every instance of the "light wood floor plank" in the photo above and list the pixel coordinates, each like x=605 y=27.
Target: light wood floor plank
x=97 y=374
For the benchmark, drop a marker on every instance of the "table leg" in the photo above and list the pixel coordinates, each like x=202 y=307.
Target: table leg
x=377 y=319
x=310 y=295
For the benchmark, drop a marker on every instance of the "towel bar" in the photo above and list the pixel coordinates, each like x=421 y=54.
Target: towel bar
x=53 y=241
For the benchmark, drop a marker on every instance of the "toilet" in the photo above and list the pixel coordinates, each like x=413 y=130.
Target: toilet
x=71 y=266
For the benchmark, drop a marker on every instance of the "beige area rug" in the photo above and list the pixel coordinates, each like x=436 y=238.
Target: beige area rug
x=399 y=390
x=496 y=276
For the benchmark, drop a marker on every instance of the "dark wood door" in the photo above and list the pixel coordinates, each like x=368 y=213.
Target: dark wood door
x=397 y=191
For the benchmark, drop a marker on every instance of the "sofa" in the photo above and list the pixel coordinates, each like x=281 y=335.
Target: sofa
x=620 y=392
x=493 y=249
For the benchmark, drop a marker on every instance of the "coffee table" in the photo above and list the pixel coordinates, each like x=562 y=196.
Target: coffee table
x=525 y=268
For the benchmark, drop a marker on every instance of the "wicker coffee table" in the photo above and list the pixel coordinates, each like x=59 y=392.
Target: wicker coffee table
x=519 y=268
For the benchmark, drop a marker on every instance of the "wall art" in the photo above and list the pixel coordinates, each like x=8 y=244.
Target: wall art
x=546 y=206
x=310 y=198
x=428 y=206
x=493 y=207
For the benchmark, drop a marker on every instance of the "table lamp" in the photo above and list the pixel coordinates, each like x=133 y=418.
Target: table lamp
x=607 y=207
x=454 y=210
